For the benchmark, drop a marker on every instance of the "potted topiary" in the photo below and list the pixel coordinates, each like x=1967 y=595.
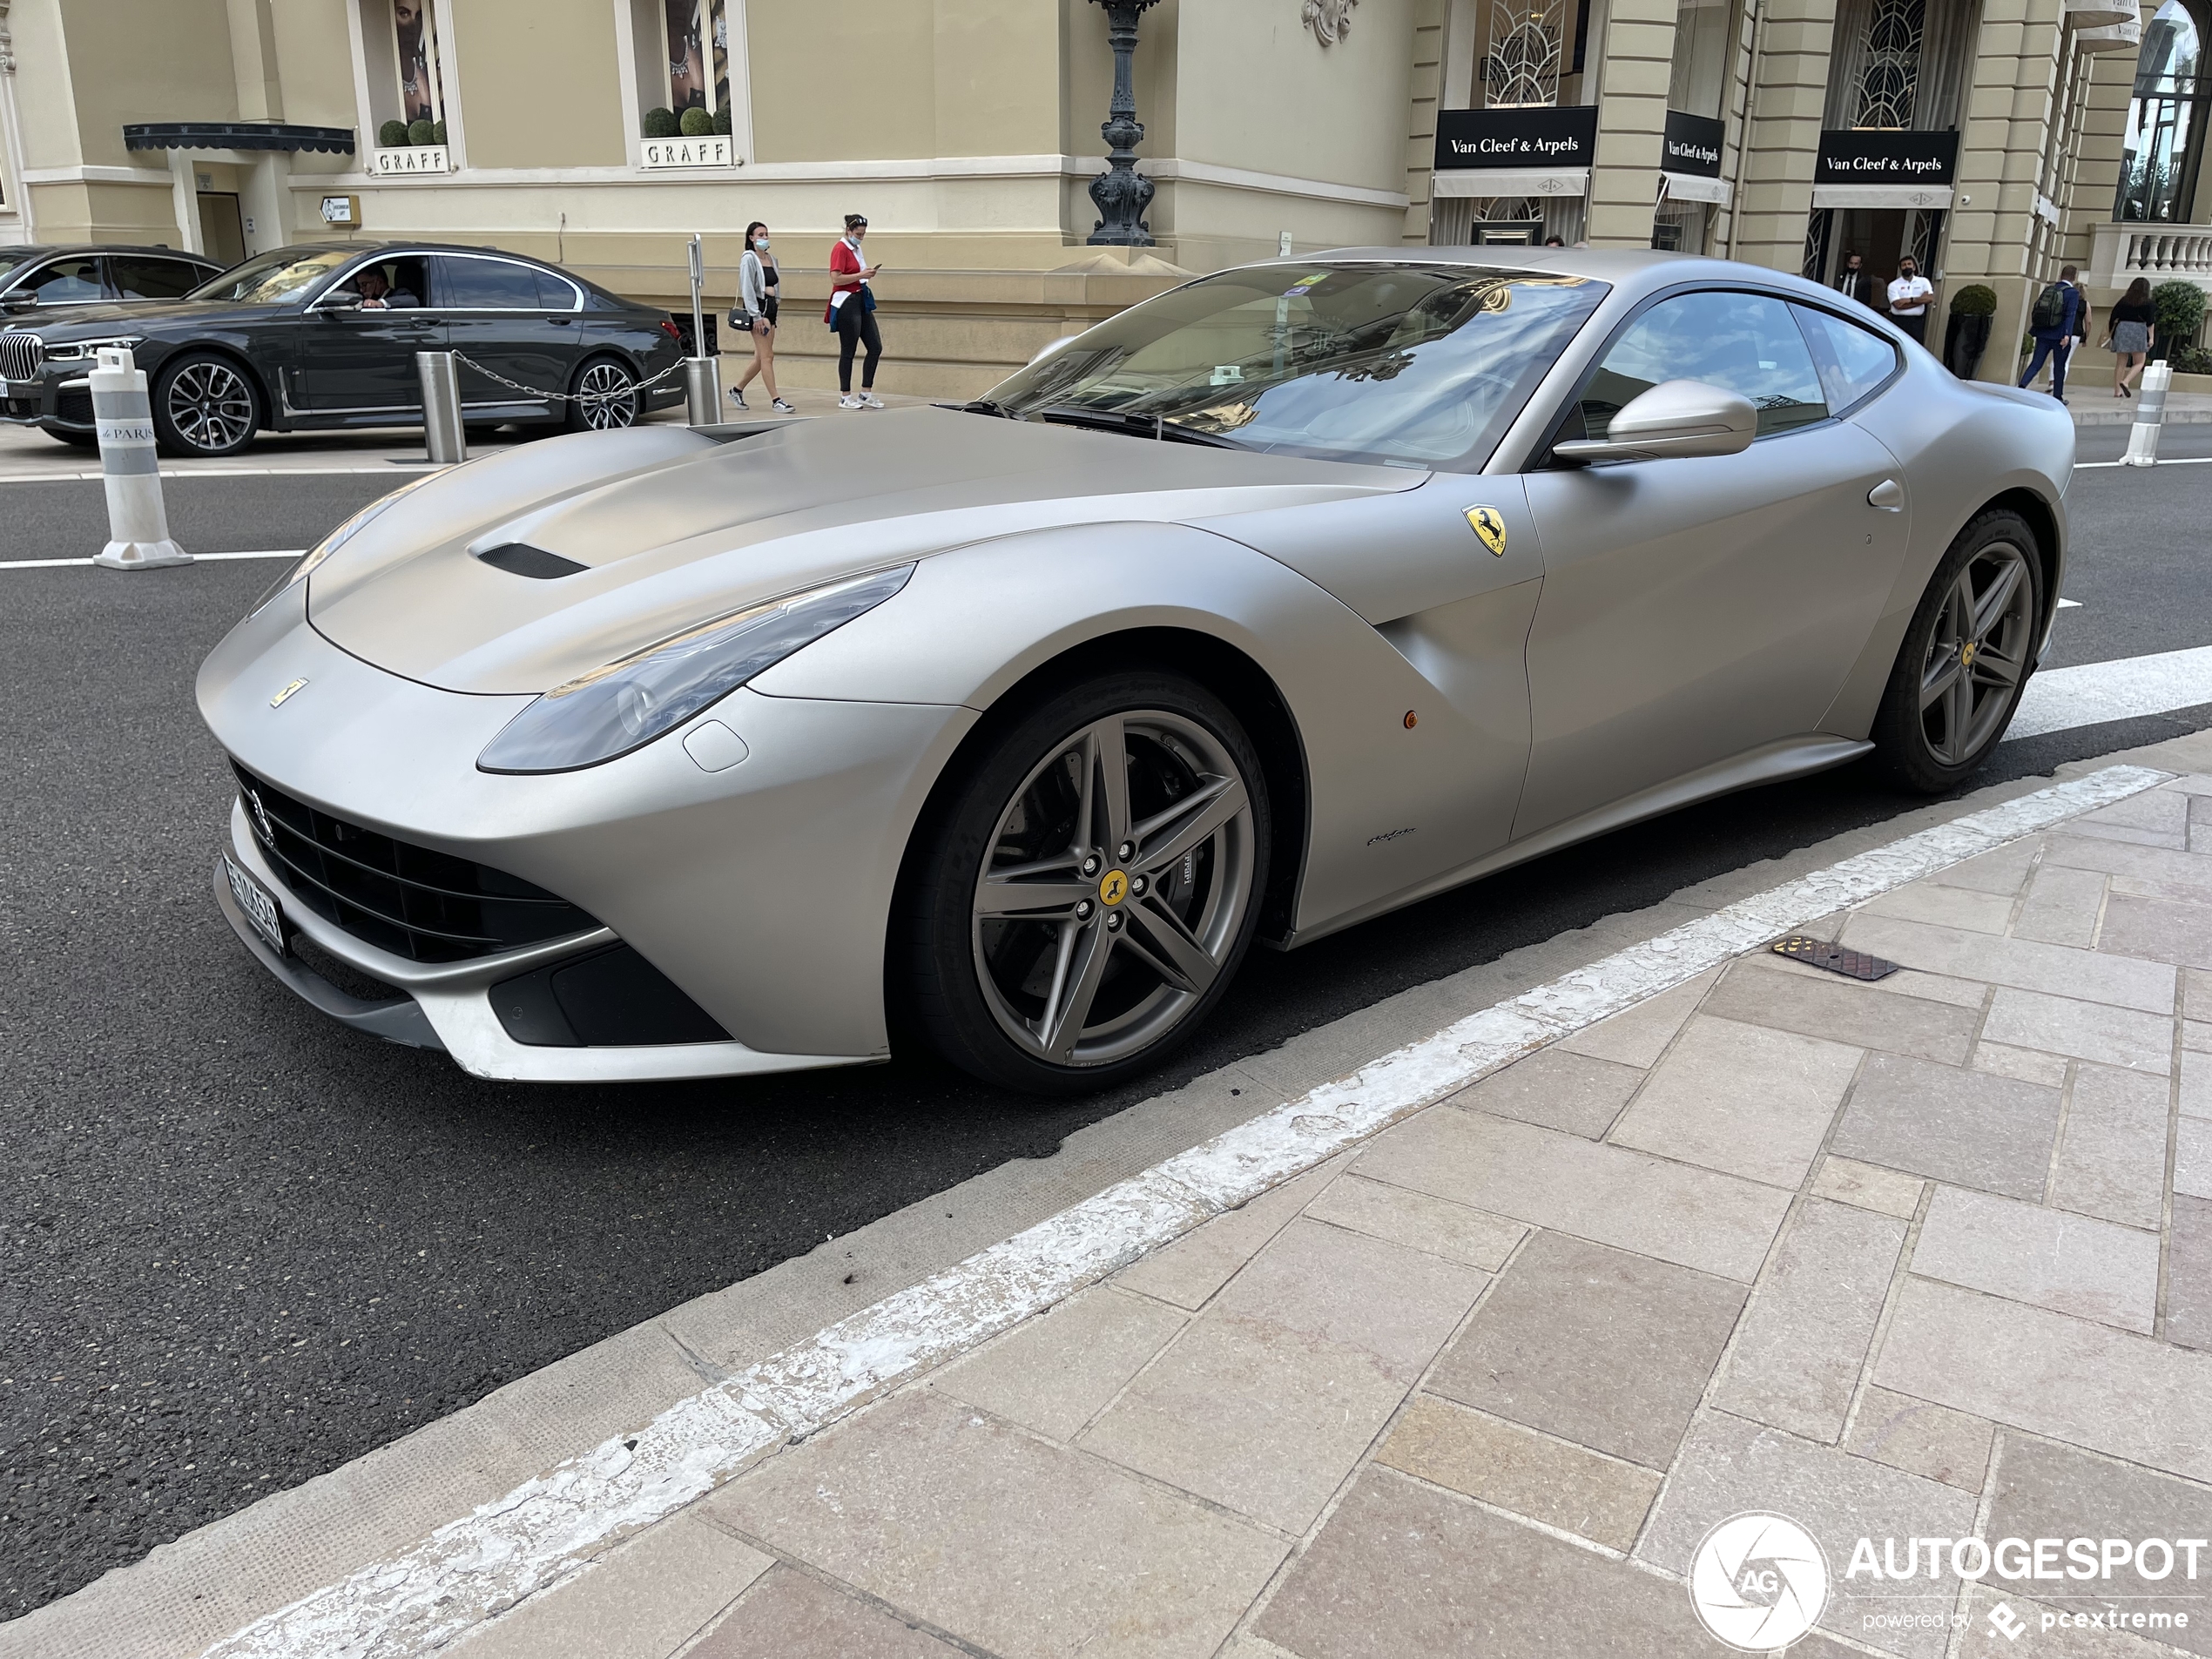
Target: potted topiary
x=438 y=134
x=423 y=133
x=697 y=122
x=1973 y=313
x=660 y=124
x=392 y=135
x=722 y=119
x=2180 y=307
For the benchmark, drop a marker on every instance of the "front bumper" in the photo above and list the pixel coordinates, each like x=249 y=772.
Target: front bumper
x=60 y=399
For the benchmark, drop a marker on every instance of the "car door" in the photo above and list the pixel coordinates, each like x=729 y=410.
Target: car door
x=1697 y=608
x=509 y=318
x=72 y=279
x=357 y=359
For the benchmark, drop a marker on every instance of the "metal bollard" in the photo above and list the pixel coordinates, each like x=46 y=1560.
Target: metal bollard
x=442 y=432
x=702 y=390
x=2150 y=416
x=137 y=523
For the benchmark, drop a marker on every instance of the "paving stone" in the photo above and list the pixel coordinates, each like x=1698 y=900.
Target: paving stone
x=2004 y=870
x=2193 y=1157
x=2158 y=930
x=1189 y=1272
x=2197 y=1035
x=2167 y=872
x=1869 y=1186
x=2112 y=1153
x=2027 y=1065
x=1559 y=1089
x=1729 y=1465
x=1804 y=1335
x=2063 y=907
x=2026 y=964
x=2196 y=1082
x=1639 y=1035
x=2197 y=985
x=2027 y=1253
x=1964 y=1127
x=1056 y=1373
x=789 y=1615
x=1515 y=1468
x=1922 y=1438
x=1417 y=1220
x=1002 y=1539
x=1741 y=1098
x=2097 y=1031
x=1981 y=1638
x=1598 y=1346
x=640 y=1602
x=2052 y=1374
x=1948 y=906
x=1403 y=1570
x=2046 y=1490
x=2188 y=1274
x=1696 y=1217
x=2159 y=816
x=1843 y=1011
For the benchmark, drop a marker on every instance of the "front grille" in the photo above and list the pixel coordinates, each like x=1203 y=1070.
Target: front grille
x=427 y=906
x=20 y=355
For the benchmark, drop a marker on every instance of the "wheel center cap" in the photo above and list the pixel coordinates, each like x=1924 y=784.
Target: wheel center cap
x=1966 y=657
x=1113 y=888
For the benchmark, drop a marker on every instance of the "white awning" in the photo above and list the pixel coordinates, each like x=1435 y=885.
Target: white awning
x=1923 y=195
x=1694 y=187
x=1510 y=181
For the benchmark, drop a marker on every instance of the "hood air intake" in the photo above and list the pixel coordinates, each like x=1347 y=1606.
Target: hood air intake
x=519 y=558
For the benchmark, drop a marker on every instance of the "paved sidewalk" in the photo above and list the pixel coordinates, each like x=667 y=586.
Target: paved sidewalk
x=1930 y=1258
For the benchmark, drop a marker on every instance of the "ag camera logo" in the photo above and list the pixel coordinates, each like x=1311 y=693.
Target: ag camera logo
x=1759 y=1582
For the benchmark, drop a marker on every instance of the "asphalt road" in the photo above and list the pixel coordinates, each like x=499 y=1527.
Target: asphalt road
x=240 y=1245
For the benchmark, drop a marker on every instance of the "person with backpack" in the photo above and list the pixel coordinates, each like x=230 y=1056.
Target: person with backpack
x=851 y=313
x=2059 y=318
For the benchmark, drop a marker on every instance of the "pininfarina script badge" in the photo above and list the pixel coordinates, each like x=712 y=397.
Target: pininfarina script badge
x=284 y=696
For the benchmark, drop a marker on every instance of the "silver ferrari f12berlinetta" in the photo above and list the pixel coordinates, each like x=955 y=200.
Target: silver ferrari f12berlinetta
x=1298 y=593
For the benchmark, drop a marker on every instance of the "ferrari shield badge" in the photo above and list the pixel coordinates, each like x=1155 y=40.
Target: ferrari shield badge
x=1487 y=525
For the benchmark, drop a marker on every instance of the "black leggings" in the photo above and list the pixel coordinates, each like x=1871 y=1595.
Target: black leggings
x=856 y=328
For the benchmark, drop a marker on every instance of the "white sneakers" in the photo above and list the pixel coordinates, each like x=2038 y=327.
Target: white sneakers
x=872 y=400
x=859 y=400
x=782 y=407
x=736 y=397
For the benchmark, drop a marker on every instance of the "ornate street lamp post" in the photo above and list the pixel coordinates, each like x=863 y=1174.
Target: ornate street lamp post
x=1122 y=193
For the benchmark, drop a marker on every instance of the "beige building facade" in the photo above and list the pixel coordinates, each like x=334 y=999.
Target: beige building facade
x=604 y=133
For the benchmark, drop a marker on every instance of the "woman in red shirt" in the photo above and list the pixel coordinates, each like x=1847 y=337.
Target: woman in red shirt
x=851 y=313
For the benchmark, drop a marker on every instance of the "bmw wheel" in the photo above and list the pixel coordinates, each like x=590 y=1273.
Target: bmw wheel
x=1090 y=889
x=603 y=398
x=1966 y=657
x=205 y=406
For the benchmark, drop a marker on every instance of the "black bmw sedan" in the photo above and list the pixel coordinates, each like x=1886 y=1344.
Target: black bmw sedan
x=324 y=338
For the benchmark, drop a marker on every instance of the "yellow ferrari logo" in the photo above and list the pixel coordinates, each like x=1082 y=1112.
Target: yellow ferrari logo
x=1966 y=657
x=1487 y=525
x=1114 y=888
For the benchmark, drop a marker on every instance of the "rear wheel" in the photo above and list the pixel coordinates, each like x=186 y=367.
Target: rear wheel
x=1089 y=889
x=1966 y=658
x=205 y=405
x=604 y=396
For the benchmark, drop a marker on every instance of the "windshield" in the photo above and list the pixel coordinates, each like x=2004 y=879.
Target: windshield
x=268 y=278
x=10 y=258
x=1414 y=364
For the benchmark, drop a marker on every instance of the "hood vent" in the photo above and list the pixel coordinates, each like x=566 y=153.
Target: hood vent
x=519 y=558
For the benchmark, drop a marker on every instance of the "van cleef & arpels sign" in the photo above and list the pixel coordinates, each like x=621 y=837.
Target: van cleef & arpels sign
x=1517 y=139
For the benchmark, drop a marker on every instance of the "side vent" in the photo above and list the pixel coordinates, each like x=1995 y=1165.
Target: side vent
x=518 y=558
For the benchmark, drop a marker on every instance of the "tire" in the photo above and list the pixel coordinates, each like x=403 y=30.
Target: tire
x=205 y=405
x=1141 y=918
x=603 y=396
x=1966 y=657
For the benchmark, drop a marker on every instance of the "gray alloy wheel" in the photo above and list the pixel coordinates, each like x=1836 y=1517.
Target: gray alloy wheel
x=207 y=407
x=1976 y=654
x=606 y=397
x=1116 y=889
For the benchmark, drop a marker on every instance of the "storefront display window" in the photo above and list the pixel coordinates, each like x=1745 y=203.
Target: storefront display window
x=415 y=47
x=2164 y=121
x=697 y=34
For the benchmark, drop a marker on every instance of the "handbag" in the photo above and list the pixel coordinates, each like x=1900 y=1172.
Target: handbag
x=740 y=321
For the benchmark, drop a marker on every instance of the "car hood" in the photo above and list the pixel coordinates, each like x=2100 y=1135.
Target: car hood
x=137 y=317
x=674 y=527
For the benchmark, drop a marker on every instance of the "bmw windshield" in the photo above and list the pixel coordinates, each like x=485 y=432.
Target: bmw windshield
x=271 y=279
x=1413 y=363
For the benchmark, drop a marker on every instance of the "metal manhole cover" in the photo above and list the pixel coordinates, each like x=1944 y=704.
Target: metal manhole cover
x=1821 y=952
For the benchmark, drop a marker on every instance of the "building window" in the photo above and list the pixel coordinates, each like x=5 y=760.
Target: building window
x=685 y=51
x=2165 y=120
x=1892 y=73
x=414 y=52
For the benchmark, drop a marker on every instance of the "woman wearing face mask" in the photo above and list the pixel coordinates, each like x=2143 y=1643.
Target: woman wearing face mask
x=851 y=313
x=758 y=281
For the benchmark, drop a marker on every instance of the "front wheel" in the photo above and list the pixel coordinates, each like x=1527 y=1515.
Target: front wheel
x=1085 y=895
x=603 y=398
x=1966 y=657
x=205 y=406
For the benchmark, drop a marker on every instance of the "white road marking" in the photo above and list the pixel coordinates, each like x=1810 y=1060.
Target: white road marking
x=550 y=1529
x=2058 y=699
x=58 y=565
x=2178 y=460
x=2069 y=604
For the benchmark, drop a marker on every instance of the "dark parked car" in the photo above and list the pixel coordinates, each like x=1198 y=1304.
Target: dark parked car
x=35 y=279
x=324 y=338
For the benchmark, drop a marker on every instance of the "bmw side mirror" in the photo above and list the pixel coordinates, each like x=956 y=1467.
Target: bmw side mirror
x=1673 y=418
x=18 y=302
x=344 y=299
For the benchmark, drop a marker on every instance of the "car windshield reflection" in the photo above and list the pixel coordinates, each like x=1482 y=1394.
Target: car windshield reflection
x=268 y=279
x=1411 y=363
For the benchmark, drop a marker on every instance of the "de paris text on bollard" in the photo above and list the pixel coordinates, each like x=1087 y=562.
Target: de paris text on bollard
x=442 y=434
x=2150 y=416
x=137 y=523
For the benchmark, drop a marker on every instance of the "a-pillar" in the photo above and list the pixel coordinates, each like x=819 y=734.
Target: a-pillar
x=1638 y=58
x=1782 y=133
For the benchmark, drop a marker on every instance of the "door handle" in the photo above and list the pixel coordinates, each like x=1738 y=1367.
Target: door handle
x=1889 y=495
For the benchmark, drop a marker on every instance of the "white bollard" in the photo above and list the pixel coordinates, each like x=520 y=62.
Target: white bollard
x=2150 y=417
x=137 y=524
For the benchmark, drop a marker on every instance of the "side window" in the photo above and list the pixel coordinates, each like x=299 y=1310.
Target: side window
x=65 y=282
x=555 y=293
x=1746 y=342
x=487 y=285
x=1852 y=361
x=140 y=277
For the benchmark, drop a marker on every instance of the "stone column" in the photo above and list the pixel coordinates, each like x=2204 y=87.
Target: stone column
x=1782 y=133
x=1638 y=47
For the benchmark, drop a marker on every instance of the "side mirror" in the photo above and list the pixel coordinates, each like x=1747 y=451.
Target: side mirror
x=1050 y=347
x=1673 y=418
x=30 y=302
x=342 y=300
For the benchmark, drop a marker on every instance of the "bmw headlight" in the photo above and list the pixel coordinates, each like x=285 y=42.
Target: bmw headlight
x=330 y=543
x=626 y=705
x=71 y=351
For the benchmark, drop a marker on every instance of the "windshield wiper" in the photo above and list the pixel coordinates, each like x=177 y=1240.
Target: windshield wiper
x=983 y=405
x=1136 y=426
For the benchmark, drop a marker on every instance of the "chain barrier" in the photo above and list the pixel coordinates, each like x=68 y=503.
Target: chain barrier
x=565 y=397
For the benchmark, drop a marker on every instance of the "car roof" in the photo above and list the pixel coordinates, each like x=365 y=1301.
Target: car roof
x=40 y=250
x=1636 y=270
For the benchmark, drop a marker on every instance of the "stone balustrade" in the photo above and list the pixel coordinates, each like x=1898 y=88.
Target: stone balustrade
x=2124 y=251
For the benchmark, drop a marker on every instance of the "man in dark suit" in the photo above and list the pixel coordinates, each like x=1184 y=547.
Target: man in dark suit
x=1852 y=282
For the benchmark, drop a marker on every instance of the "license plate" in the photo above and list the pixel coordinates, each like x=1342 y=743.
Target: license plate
x=258 y=904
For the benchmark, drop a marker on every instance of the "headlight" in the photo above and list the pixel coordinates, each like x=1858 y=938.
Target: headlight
x=330 y=543
x=72 y=351
x=626 y=706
